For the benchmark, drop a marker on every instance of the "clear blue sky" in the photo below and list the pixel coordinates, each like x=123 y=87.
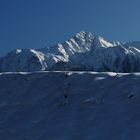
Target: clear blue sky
x=37 y=23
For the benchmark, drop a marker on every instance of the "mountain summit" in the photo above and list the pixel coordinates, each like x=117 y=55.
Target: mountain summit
x=84 y=52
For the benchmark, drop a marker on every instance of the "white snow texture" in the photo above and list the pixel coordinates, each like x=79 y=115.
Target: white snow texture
x=84 y=52
x=69 y=106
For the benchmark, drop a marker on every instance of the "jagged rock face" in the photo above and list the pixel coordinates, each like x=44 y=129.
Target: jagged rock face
x=82 y=52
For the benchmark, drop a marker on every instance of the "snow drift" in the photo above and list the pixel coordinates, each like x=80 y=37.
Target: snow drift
x=69 y=106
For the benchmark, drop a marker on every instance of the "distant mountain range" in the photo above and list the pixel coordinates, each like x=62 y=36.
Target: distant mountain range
x=83 y=52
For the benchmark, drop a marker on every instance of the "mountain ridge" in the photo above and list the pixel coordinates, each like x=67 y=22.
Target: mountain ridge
x=84 y=52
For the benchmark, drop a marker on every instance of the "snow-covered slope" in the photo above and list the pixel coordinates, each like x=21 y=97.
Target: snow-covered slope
x=69 y=106
x=84 y=51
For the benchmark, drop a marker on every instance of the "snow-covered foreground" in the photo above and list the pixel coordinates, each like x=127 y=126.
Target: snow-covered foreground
x=69 y=106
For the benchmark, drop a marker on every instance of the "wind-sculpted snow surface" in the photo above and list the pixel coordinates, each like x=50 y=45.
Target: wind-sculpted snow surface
x=69 y=106
x=84 y=52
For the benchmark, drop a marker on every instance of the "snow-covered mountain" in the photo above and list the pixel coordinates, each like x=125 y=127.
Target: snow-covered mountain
x=69 y=106
x=82 y=52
